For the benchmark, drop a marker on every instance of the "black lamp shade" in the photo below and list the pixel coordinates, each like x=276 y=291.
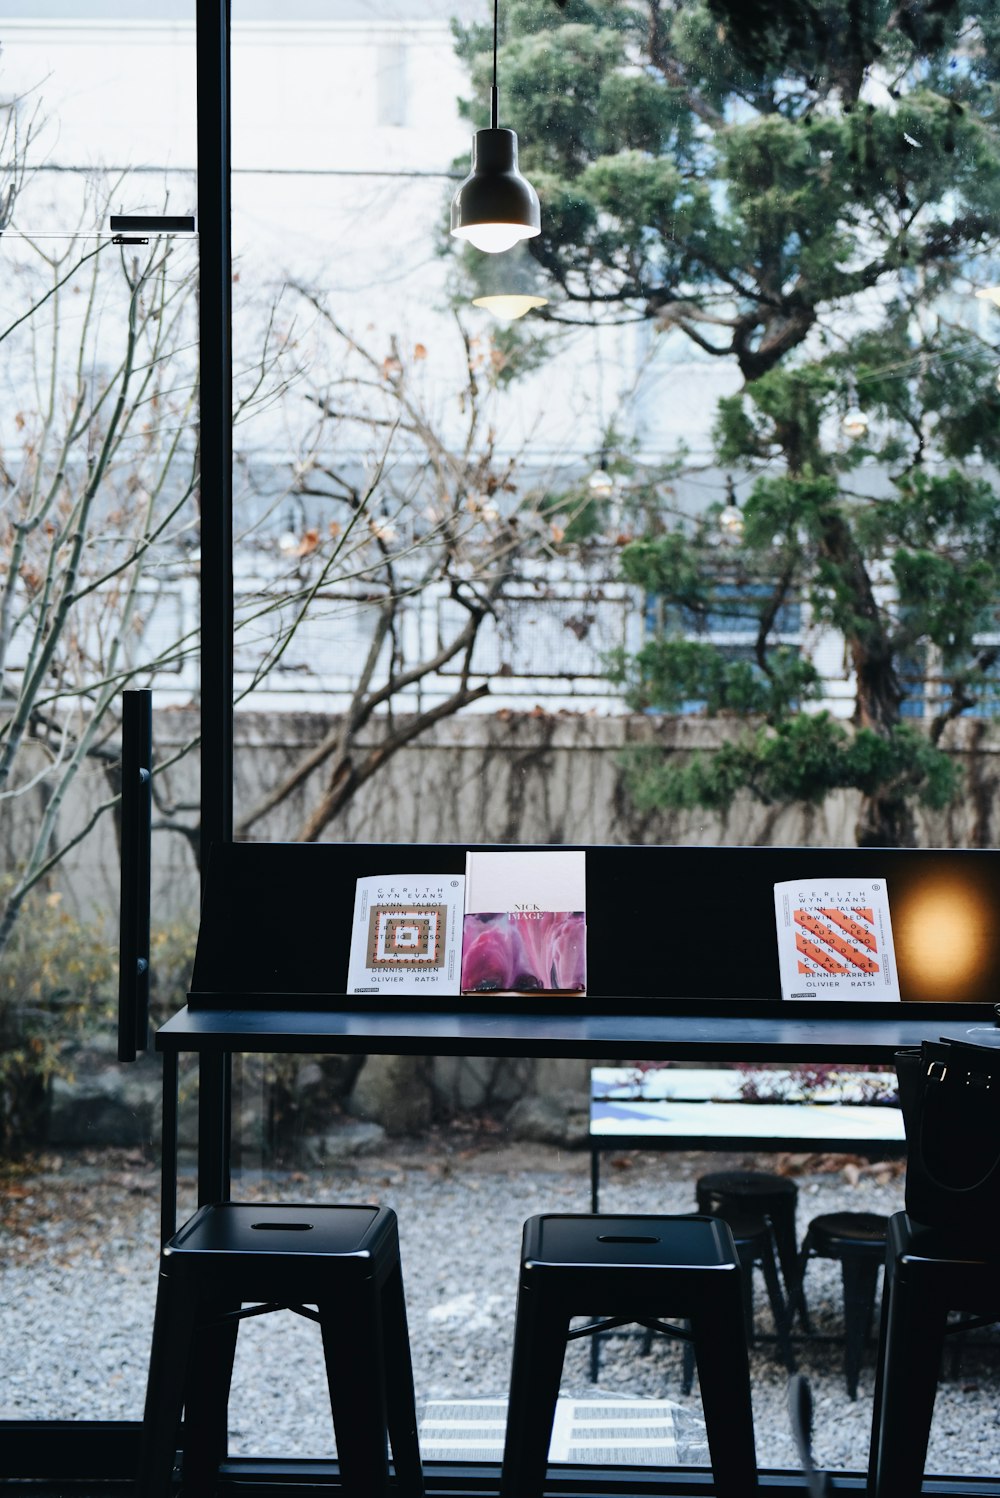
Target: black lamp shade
x=495 y=206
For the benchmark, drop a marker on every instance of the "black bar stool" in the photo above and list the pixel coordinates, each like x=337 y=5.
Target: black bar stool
x=636 y=1269
x=857 y=1239
x=754 y=1241
x=343 y=1260
x=756 y=1193
x=928 y=1272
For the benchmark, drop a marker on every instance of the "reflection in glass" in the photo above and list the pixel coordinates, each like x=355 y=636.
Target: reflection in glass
x=946 y=942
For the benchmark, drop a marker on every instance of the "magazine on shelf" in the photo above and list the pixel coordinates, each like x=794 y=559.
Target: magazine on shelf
x=835 y=939
x=525 y=923
x=407 y=934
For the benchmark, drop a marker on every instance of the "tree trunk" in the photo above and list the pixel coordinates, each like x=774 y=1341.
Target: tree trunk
x=885 y=821
x=886 y=817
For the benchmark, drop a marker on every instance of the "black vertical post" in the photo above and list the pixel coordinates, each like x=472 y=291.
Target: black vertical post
x=216 y=489
x=136 y=817
x=168 y=1149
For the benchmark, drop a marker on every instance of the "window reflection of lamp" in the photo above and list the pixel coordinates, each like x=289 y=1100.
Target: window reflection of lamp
x=509 y=307
x=731 y=517
x=288 y=541
x=600 y=482
x=855 y=422
x=944 y=940
x=509 y=286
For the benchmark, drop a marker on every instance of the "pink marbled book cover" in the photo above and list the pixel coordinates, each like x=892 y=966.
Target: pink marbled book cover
x=525 y=926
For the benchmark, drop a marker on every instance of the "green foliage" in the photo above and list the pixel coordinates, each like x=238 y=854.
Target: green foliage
x=801 y=759
x=59 y=987
x=56 y=977
x=683 y=155
x=807 y=193
x=678 y=675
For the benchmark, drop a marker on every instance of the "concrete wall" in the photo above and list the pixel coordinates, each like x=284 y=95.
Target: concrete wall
x=518 y=778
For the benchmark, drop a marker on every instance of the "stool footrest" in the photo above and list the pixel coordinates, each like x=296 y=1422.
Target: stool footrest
x=245 y=1313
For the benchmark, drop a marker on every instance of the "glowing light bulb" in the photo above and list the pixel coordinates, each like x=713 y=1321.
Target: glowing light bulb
x=493 y=239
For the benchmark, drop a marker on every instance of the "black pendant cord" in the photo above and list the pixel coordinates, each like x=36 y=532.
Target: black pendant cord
x=494 y=106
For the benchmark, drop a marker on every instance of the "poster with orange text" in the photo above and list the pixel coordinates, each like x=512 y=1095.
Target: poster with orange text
x=835 y=939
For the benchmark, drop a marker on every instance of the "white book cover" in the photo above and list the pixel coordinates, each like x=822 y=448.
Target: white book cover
x=525 y=922
x=529 y=881
x=406 y=936
x=835 y=939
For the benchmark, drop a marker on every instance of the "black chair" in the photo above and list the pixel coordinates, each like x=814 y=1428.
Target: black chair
x=857 y=1239
x=756 y=1193
x=342 y=1260
x=754 y=1240
x=929 y=1272
x=636 y=1270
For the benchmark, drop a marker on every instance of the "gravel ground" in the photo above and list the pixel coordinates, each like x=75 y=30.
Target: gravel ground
x=78 y=1269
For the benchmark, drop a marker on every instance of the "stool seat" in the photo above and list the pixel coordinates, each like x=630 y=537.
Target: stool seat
x=276 y=1238
x=759 y=1193
x=630 y=1269
x=929 y=1272
x=857 y=1239
x=344 y=1260
x=748 y=1185
x=835 y=1234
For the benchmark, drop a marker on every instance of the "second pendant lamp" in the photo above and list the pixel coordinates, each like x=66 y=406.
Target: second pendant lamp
x=495 y=206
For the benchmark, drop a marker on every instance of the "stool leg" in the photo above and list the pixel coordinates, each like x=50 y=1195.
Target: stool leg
x=860 y=1276
x=536 y=1369
x=687 y=1364
x=173 y=1329
x=746 y=1274
x=877 y=1399
x=206 y=1400
x=788 y=1254
x=798 y=1294
x=355 y=1372
x=779 y=1309
x=400 y=1400
x=724 y=1377
x=910 y=1353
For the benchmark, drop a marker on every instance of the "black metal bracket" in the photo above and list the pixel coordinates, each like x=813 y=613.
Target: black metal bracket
x=154 y=223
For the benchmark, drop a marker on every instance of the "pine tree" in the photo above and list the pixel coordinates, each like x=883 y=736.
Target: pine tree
x=811 y=192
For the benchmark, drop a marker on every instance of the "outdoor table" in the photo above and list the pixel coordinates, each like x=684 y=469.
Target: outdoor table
x=706 y=1108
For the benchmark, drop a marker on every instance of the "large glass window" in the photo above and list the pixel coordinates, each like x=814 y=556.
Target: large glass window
x=735 y=464
x=98 y=547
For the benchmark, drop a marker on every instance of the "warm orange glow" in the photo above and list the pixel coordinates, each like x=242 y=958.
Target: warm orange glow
x=944 y=937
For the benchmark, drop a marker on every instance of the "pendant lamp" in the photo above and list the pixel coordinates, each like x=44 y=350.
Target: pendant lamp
x=495 y=206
